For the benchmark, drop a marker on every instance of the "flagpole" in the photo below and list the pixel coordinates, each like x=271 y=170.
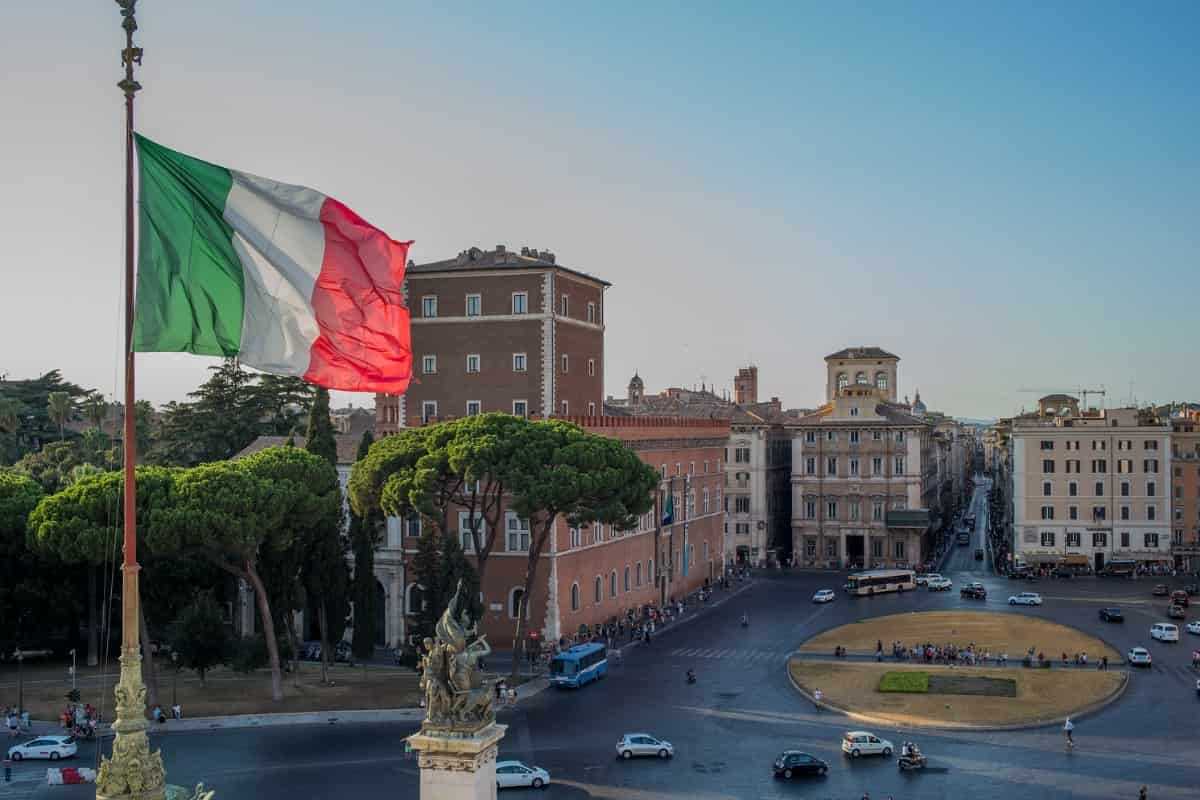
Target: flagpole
x=133 y=772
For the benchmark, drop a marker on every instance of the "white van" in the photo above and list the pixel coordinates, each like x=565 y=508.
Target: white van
x=1164 y=632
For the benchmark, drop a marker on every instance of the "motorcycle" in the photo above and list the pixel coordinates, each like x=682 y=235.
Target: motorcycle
x=911 y=759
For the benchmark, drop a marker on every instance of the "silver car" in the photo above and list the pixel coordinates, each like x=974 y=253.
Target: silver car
x=643 y=744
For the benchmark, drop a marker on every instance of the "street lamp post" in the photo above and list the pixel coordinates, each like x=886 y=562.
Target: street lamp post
x=73 y=670
x=175 y=684
x=20 y=682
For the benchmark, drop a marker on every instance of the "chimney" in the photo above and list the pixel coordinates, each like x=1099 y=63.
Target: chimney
x=525 y=251
x=500 y=249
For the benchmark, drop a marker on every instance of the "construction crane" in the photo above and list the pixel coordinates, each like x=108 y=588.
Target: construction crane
x=1081 y=392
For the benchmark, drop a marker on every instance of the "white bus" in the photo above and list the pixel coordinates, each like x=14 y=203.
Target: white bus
x=875 y=581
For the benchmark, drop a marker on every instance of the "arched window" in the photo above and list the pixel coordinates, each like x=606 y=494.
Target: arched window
x=860 y=378
x=612 y=583
x=842 y=381
x=638 y=573
x=599 y=589
x=515 y=595
x=627 y=577
x=574 y=596
x=881 y=380
x=414 y=600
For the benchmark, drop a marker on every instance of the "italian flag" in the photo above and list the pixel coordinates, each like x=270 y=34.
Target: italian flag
x=286 y=279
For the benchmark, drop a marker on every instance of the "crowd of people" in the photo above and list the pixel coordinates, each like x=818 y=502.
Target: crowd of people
x=79 y=718
x=16 y=720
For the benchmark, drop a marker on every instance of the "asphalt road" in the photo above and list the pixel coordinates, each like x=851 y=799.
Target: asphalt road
x=729 y=726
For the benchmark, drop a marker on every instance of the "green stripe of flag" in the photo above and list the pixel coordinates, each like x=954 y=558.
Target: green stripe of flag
x=190 y=285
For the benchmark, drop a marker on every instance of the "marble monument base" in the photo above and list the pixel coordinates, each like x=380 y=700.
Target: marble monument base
x=458 y=766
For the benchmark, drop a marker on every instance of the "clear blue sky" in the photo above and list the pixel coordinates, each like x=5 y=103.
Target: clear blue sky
x=1003 y=196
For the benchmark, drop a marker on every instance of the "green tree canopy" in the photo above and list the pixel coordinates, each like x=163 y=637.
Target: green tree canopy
x=25 y=422
x=566 y=472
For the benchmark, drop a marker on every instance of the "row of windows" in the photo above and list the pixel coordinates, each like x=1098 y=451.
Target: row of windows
x=638 y=578
x=854 y=437
x=520 y=363
x=899 y=549
x=691 y=467
x=1073 y=489
x=1100 y=512
x=854 y=509
x=1100 y=444
x=520 y=408
x=831 y=466
x=519 y=304
x=1099 y=539
x=861 y=379
x=1100 y=465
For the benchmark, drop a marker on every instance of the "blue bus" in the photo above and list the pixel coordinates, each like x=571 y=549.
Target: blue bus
x=579 y=665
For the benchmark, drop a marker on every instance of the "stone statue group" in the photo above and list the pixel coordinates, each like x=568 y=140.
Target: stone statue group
x=455 y=697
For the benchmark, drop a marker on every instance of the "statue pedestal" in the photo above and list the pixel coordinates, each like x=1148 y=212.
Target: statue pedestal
x=458 y=766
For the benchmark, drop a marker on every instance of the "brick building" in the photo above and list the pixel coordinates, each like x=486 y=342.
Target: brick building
x=500 y=330
x=594 y=573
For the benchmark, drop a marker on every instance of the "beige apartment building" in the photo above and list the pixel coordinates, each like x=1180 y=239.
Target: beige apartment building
x=1185 y=490
x=864 y=470
x=1090 y=486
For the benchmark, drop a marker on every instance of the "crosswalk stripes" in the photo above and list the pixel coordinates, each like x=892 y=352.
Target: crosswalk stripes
x=750 y=656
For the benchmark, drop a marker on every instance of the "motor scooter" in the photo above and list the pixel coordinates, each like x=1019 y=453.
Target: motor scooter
x=911 y=759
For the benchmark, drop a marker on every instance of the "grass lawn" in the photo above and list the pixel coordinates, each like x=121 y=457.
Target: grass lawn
x=227 y=692
x=1040 y=693
x=996 y=631
x=910 y=682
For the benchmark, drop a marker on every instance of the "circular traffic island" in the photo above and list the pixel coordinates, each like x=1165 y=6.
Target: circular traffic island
x=917 y=694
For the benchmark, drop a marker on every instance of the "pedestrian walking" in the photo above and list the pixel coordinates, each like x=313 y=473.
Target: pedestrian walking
x=1142 y=793
x=817 y=697
x=512 y=696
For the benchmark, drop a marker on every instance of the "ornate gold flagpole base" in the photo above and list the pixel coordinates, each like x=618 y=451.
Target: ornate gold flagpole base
x=133 y=772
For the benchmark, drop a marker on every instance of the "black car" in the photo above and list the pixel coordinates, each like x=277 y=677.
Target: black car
x=973 y=591
x=1112 y=615
x=792 y=762
x=1062 y=572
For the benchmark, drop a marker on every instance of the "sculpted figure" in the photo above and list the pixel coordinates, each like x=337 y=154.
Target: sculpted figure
x=454 y=691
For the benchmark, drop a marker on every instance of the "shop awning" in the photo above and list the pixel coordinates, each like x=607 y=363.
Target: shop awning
x=1040 y=558
x=1076 y=560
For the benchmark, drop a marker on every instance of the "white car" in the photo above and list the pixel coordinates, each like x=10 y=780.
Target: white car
x=864 y=743
x=1194 y=627
x=939 y=584
x=1025 y=599
x=514 y=773
x=1164 y=632
x=643 y=744
x=1138 y=657
x=924 y=579
x=824 y=596
x=51 y=747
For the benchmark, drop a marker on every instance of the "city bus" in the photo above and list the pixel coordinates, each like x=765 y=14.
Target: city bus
x=875 y=581
x=579 y=665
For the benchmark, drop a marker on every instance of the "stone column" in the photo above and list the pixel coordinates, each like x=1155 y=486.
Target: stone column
x=395 y=616
x=458 y=766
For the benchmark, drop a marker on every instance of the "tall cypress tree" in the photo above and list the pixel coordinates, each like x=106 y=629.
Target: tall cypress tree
x=324 y=572
x=427 y=571
x=364 y=538
x=319 y=440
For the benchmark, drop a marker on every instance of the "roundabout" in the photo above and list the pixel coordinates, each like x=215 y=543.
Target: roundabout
x=983 y=685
